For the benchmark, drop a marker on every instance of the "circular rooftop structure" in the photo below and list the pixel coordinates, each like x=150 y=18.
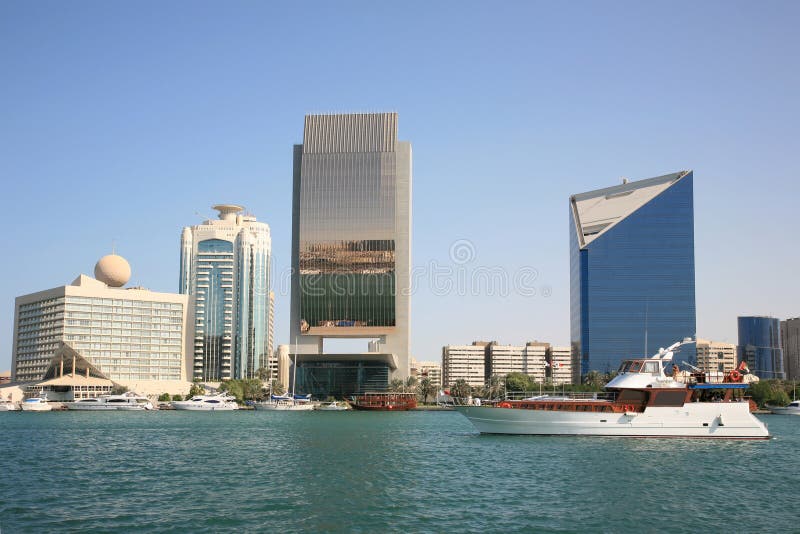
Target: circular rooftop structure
x=113 y=270
x=228 y=212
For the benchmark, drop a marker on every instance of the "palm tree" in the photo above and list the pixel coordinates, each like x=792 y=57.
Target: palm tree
x=425 y=389
x=494 y=387
x=396 y=385
x=262 y=373
x=411 y=383
x=594 y=379
x=460 y=389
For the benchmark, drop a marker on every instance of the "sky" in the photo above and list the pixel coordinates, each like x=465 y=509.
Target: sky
x=122 y=122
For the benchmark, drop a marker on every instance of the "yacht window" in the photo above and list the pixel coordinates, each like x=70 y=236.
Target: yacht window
x=623 y=368
x=636 y=367
x=212 y=401
x=651 y=367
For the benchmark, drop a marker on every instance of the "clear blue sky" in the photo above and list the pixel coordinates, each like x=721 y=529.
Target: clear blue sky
x=120 y=120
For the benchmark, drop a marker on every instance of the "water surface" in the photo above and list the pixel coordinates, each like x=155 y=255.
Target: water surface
x=377 y=472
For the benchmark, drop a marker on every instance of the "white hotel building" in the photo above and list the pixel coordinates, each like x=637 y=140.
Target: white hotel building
x=136 y=337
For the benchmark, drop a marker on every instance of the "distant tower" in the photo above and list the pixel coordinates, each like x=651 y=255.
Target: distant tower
x=225 y=265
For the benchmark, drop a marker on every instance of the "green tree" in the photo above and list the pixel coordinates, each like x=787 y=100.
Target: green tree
x=177 y=397
x=494 y=387
x=425 y=389
x=519 y=382
x=460 y=389
x=411 y=383
x=277 y=387
x=164 y=397
x=262 y=373
x=396 y=385
x=594 y=379
x=196 y=389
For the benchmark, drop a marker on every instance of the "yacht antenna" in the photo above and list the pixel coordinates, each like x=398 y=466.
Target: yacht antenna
x=646 y=312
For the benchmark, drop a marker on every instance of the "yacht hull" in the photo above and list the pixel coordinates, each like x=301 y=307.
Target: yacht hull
x=284 y=408
x=38 y=407
x=78 y=407
x=694 y=420
x=179 y=405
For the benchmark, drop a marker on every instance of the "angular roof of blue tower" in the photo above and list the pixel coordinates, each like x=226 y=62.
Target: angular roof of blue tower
x=595 y=212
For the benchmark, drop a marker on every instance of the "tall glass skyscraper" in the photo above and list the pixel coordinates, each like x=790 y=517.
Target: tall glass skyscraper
x=225 y=265
x=351 y=250
x=631 y=271
x=760 y=346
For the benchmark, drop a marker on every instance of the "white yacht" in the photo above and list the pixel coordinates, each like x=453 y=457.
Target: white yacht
x=793 y=408
x=294 y=403
x=642 y=402
x=36 y=404
x=125 y=402
x=8 y=406
x=334 y=406
x=207 y=403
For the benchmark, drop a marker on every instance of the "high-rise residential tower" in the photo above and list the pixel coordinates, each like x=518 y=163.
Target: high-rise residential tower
x=631 y=271
x=225 y=265
x=351 y=252
x=760 y=345
x=790 y=342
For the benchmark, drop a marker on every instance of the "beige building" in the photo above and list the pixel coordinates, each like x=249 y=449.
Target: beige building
x=282 y=365
x=464 y=362
x=716 y=356
x=431 y=370
x=560 y=365
x=134 y=337
x=528 y=359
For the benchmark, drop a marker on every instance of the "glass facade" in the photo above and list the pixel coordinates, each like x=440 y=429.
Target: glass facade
x=253 y=311
x=347 y=240
x=214 y=307
x=760 y=346
x=341 y=379
x=225 y=264
x=632 y=284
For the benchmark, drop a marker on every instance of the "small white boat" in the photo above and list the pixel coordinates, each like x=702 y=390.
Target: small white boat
x=334 y=406
x=126 y=402
x=294 y=403
x=36 y=404
x=793 y=408
x=207 y=403
x=8 y=406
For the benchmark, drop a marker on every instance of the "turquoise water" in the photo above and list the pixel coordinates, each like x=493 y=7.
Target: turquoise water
x=378 y=472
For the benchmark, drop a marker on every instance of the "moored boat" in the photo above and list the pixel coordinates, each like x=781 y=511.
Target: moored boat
x=334 y=406
x=793 y=408
x=8 y=406
x=380 y=401
x=36 y=404
x=641 y=401
x=125 y=402
x=292 y=403
x=207 y=403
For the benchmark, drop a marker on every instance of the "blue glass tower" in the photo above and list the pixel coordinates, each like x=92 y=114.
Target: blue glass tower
x=760 y=346
x=631 y=271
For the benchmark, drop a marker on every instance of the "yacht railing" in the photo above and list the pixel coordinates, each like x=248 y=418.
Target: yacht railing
x=561 y=395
